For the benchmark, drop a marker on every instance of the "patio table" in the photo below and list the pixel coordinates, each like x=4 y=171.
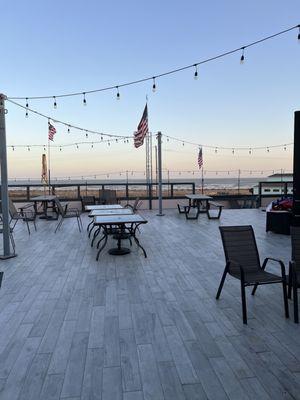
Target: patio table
x=195 y=200
x=45 y=200
x=106 y=211
x=108 y=221
x=103 y=207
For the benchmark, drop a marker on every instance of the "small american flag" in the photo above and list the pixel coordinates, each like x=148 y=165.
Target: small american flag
x=51 y=131
x=142 y=129
x=200 y=158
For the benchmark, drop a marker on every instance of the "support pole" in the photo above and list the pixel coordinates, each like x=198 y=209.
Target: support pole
x=296 y=171
x=4 y=183
x=159 y=166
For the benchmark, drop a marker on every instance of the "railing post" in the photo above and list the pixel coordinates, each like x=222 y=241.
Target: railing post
x=78 y=192
x=194 y=187
x=27 y=193
x=259 y=193
x=127 y=191
x=150 y=195
x=172 y=190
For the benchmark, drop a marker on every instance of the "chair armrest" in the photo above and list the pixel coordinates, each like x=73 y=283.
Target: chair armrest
x=128 y=206
x=25 y=207
x=280 y=262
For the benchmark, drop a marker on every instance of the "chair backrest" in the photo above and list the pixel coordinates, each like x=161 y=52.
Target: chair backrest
x=60 y=208
x=110 y=196
x=240 y=246
x=12 y=208
x=137 y=204
x=295 y=238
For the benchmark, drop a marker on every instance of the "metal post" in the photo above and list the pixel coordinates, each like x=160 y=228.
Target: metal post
x=159 y=166
x=4 y=183
x=296 y=171
x=239 y=180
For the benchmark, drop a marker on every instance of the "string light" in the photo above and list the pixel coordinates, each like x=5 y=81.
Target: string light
x=250 y=151
x=268 y=150
x=27 y=105
x=173 y=71
x=13 y=148
x=77 y=146
x=54 y=102
x=28 y=148
x=60 y=149
x=69 y=129
x=84 y=99
x=284 y=147
x=216 y=150
x=118 y=93
x=242 y=56
x=154 y=85
x=196 y=72
x=108 y=143
x=86 y=135
x=92 y=146
x=232 y=151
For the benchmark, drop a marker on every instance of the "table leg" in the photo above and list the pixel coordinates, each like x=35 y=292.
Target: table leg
x=137 y=241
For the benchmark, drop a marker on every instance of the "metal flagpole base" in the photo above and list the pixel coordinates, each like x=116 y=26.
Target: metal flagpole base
x=160 y=215
x=2 y=257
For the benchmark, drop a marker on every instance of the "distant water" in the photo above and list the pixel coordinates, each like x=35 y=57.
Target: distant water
x=209 y=183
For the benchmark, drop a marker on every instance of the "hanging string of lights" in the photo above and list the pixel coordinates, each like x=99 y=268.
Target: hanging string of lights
x=130 y=173
x=68 y=125
x=233 y=149
x=154 y=78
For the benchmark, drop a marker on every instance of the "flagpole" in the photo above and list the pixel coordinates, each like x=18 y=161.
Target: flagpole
x=202 y=180
x=49 y=173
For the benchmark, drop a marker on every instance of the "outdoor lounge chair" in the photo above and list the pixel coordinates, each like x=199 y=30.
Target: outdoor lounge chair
x=66 y=212
x=243 y=263
x=294 y=270
x=23 y=214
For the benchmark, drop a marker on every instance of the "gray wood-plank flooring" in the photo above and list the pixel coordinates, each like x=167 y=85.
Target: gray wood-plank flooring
x=143 y=329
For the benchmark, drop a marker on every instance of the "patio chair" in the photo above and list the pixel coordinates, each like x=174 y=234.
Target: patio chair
x=87 y=201
x=23 y=213
x=135 y=206
x=110 y=197
x=243 y=263
x=66 y=212
x=294 y=270
x=10 y=237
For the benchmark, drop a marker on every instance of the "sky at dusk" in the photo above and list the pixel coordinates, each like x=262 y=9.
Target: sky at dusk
x=55 y=47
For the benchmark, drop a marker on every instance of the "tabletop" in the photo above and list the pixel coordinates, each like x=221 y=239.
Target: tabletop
x=116 y=211
x=119 y=219
x=44 y=198
x=198 y=197
x=103 y=207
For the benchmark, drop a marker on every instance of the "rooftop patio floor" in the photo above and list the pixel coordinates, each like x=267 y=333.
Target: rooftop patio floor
x=133 y=328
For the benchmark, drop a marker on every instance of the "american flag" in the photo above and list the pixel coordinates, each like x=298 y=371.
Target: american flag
x=200 y=158
x=51 y=132
x=142 y=129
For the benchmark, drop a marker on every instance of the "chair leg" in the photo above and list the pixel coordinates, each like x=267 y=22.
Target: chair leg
x=244 y=306
x=59 y=225
x=285 y=299
x=290 y=283
x=295 y=299
x=34 y=224
x=78 y=223
x=222 y=282
x=1 y=277
x=254 y=289
x=26 y=221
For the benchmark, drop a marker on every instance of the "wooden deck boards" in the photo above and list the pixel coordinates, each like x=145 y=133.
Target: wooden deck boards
x=143 y=329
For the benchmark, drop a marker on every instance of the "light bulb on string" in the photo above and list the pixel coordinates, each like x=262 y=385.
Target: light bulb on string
x=268 y=150
x=250 y=151
x=116 y=140
x=232 y=151
x=77 y=147
x=13 y=148
x=118 y=93
x=127 y=141
x=284 y=147
x=54 y=102
x=101 y=137
x=242 y=56
x=108 y=143
x=69 y=130
x=86 y=135
x=196 y=72
x=28 y=148
x=60 y=149
x=27 y=105
x=154 y=85
x=168 y=139
x=44 y=148
x=216 y=150
x=299 y=34
x=84 y=99
x=92 y=146
x=182 y=143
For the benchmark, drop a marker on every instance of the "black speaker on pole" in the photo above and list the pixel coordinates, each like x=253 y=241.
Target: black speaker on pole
x=296 y=171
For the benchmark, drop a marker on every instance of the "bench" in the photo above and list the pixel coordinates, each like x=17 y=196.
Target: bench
x=217 y=206
x=183 y=208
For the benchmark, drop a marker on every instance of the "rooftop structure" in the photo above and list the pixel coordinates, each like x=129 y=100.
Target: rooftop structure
x=134 y=328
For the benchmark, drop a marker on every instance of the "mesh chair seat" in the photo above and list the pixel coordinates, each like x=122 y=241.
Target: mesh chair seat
x=259 y=277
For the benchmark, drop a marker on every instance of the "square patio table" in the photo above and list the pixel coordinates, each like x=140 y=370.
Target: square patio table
x=108 y=221
x=45 y=200
x=195 y=200
x=103 y=207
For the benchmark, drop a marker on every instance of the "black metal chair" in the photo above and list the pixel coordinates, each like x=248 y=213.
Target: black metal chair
x=87 y=201
x=66 y=212
x=294 y=270
x=243 y=263
x=23 y=214
x=10 y=237
x=135 y=206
